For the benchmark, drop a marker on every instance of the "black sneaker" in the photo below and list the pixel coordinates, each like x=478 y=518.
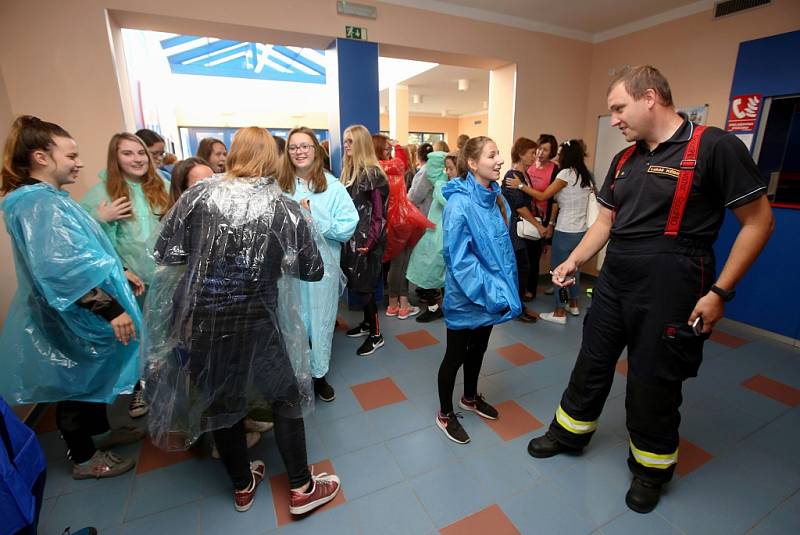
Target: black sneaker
x=323 y=389
x=479 y=407
x=452 y=427
x=369 y=346
x=429 y=316
x=362 y=329
x=643 y=495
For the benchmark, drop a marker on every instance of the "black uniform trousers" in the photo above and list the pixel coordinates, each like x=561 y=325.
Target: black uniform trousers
x=643 y=298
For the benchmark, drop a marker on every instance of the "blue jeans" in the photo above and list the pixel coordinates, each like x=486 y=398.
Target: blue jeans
x=563 y=244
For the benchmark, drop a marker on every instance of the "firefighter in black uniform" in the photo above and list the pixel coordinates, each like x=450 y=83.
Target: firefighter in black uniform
x=661 y=207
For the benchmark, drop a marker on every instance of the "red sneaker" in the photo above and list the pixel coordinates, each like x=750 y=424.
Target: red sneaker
x=323 y=489
x=244 y=498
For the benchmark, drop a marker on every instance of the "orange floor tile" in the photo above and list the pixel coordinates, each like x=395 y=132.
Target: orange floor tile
x=489 y=521
x=519 y=354
x=152 y=458
x=690 y=458
x=417 y=339
x=513 y=422
x=378 y=393
x=727 y=339
x=783 y=393
x=280 y=494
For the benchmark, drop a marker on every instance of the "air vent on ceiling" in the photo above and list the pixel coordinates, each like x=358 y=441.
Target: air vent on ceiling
x=729 y=7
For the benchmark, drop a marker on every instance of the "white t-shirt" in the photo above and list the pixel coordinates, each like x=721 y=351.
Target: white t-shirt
x=573 y=203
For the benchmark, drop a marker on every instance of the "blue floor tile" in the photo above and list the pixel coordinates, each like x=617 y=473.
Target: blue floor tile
x=392 y=511
x=166 y=488
x=219 y=517
x=499 y=474
x=449 y=493
x=366 y=471
x=397 y=419
x=784 y=519
x=631 y=523
x=182 y=520
x=421 y=451
x=543 y=509
x=101 y=506
x=347 y=434
x=341 y=520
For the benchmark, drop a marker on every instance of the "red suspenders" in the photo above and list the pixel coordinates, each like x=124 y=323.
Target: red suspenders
x=684 y=186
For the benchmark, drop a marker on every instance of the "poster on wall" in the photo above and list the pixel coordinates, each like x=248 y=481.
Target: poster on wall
x=696 y=114
x=744 y=113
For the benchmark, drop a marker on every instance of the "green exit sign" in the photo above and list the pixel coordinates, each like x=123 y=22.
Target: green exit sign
x=354 y=32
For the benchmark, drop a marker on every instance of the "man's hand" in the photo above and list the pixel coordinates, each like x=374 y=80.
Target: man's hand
x=123 y=328
x=711 y=308
x=362 y=250
x=114 y=211
x=563 y=274
x=136 y=283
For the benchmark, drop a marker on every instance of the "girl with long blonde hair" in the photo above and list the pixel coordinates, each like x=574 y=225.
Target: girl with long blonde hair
x=363 y=253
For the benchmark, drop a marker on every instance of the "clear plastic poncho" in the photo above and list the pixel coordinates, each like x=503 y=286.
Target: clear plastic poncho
x=224 y=333
x=54 y=350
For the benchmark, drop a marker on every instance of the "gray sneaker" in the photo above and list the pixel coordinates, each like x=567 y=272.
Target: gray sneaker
x=102 y=464
x=120 y=436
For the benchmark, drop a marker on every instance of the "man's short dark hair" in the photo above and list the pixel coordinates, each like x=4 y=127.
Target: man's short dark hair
x=638 y=79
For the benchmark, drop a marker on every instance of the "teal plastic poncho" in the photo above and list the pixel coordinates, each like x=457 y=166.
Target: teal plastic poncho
x=54 y=350
x=426 y=265
x=132 y=238
x=335 y=217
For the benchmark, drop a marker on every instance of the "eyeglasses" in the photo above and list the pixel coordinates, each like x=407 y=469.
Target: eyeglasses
x=304 y=147
x=348 y=142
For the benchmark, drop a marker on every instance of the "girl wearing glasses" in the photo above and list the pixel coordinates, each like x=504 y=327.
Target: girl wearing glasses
x=302 y=176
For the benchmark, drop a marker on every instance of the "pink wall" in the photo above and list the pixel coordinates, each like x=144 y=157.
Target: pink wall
x=697 y=55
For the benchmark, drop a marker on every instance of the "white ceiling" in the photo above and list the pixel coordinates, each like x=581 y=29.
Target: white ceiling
x=588 y=20
x=439 y=90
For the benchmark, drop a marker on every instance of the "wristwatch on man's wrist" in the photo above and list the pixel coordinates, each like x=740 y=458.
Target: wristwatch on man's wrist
x=726 y=295
x=521 y=185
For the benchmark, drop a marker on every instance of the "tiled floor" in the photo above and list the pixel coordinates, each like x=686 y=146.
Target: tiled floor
x=739 y=470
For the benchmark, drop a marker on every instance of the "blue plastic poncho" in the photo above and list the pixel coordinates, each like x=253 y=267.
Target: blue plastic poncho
x=336 y=217
x=132 y=238
x=223 y=328
x=481 y=270
x=426 y=265
x=21 y=464
x=53 y=349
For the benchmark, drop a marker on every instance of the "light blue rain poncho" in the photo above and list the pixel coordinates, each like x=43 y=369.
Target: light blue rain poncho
x=335 y=217
x=481 y=270
x=426 y=265
x=54 y=350
x=132 y=238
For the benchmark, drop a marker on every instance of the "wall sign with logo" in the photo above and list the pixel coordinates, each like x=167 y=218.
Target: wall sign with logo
x=744 y=113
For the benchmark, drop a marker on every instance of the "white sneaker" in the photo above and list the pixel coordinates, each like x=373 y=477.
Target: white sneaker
x=552 y=318
x=252 y=440
x=575 y=311
x=405 y=313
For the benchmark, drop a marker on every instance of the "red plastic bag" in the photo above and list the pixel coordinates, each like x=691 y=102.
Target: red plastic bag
x=405 y=224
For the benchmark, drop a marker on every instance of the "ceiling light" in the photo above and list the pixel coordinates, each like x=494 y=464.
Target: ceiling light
x=463 y=84
x=416 y=98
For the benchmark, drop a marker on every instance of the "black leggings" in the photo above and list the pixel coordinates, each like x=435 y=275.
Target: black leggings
x=464 y=347
x=370 y=312
x=78 y=421
x=290 y=435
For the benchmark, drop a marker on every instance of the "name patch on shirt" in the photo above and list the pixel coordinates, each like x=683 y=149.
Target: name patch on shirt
x=666 y=171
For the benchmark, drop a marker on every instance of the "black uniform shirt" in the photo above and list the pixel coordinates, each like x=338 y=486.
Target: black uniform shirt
x=725 y=176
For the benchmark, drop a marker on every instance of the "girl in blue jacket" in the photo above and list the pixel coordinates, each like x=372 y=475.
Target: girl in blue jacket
x=480 y=278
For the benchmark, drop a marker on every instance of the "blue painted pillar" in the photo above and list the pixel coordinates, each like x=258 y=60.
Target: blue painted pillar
x=352 y=77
